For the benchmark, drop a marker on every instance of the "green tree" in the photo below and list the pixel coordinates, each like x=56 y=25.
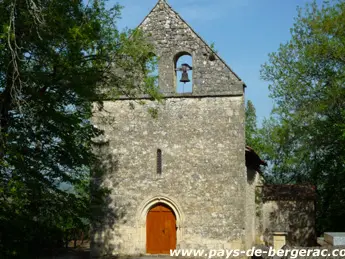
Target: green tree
x=251 y=124
x=57 y=57
x=307 y=78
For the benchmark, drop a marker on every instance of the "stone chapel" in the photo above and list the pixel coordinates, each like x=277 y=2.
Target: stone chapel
x=186 y=179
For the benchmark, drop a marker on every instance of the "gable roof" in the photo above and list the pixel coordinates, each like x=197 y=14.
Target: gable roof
x=200 y=38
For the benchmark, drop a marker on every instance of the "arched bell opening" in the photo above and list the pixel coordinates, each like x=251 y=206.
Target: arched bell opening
x=183 y=72
x=153 y=69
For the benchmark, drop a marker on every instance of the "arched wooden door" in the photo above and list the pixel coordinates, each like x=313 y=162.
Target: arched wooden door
x=160 y=230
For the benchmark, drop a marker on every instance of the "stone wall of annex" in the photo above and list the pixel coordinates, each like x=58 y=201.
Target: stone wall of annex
x=296 y=218
x=253 y=208
x=289 y=209
x=202 y=144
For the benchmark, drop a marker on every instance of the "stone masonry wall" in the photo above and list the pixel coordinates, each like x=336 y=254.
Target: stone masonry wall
x=203 y=170
x=253 y=208
x=287 y=208
x=297 y=218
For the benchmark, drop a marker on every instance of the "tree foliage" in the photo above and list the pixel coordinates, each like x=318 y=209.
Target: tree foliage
x=253 y=137
x=57 y=57
x=306 y=134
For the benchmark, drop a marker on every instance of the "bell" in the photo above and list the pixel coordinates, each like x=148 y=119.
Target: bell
x=184 y=77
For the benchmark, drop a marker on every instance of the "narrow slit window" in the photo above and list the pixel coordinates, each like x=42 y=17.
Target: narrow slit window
x=159 y=161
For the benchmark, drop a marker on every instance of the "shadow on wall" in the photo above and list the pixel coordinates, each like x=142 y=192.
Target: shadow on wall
x=251 y=175
x=290 y=209
x=297 y=219
x=106 y=212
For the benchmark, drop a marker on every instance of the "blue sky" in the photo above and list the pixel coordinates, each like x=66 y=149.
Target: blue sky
x=244 y=33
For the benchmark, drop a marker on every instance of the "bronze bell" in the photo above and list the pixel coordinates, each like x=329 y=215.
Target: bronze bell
x=184 y=77
x=184 y=69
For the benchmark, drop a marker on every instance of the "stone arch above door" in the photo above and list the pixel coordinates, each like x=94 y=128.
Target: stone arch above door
x=145 y=207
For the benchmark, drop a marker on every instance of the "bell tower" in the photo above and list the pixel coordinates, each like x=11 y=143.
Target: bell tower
x=174 y=39
x=185 y=168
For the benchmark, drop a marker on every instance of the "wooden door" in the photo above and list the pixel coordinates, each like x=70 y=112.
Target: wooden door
x=160 y=230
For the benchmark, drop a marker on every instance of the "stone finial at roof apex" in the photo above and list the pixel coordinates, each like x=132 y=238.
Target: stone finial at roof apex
x=162 y=2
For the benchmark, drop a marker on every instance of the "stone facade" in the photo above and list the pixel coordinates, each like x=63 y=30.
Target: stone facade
x=203 y=173
x=201 y=137
x=204 y=179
